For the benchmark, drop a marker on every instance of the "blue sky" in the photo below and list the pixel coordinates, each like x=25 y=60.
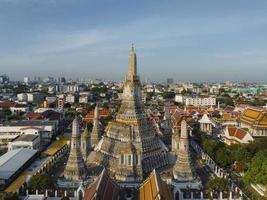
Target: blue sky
x=189 y=40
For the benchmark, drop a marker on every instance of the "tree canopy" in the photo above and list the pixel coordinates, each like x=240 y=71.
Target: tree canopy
x=257 y=172
x=40 y=182
x=8 y=196
x=218 y=184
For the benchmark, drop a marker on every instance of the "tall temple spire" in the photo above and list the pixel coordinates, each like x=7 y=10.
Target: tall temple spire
x=132 y=64
x=75 y=127
x=129 y=148
x=96 y=131
x=183 y=170
x=75 y=168
x=167 y=136
x=85 y=143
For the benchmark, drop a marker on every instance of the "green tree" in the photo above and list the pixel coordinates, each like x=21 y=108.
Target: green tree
x=218 y=184
x=168 y=95
x=257 y=145
x=241 y=156
x=40 y=182
x=65 y=198
x=229 y=101
x=8 y=196
x=149 y=95
x=222 y=157
x=257 y=172
x=211 y=146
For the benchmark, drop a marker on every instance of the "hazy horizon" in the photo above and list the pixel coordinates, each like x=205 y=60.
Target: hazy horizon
x=211 y=41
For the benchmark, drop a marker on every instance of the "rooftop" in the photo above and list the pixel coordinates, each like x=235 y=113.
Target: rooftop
x=30 y=123
x=13 y=160
x=102 y=188
x=26 y=138
x=17 y=183
x=256 y=117
x=7 y=104
x=56 y=146
x=154 y=187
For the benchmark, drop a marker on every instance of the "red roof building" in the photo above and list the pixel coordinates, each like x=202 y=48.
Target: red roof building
x=102 y=114
x=234 y=135
x=7 y=104
x=103 y=188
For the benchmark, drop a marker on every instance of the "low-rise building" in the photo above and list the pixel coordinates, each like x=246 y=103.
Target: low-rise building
x=72 y=88
x=34 y=97
x=196 y=101
x=200 y=101
x=71 y=98
x=103 y=113
x=255 y=120
x=45 y=129
x=206 y=125
x=19 y=109
x=179 y=98
x=5 y=139
x=25 y=141
x=234 y=135
x=13 y=163
x=83 y=99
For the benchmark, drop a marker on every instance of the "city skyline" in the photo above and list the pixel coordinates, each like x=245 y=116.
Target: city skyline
x=211 y=41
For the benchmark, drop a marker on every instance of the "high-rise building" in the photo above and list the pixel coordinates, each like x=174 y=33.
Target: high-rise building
x=60 y=103
x=26 y=80
x=4 y=79
x=75 y=168
x=169 y=81
x=130 y=148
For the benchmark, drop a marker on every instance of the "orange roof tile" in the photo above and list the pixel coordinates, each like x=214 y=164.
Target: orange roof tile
x=255 y=117
x=237 y=132
x=231 y=131
x=240 y=134
x=33 y=116
x=102 y=188
x=154 y=188
x=102 y=113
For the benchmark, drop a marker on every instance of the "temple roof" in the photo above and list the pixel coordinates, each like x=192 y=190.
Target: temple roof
x=154 y=188
x=131 y=132
x=205 y=120
x=255 y=117
x=238 y=134
x=85 y=133
x=103 y=188
x=103 y=113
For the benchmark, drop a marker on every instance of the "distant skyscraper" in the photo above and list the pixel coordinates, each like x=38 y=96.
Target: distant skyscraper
x=26 y=80
x=169 y=81
x=61 y=80
x=4 y=79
